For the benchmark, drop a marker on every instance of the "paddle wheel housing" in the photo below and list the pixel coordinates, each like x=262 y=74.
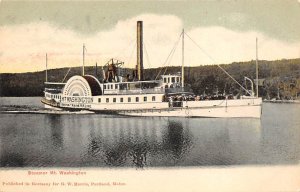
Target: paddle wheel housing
x=82 y=86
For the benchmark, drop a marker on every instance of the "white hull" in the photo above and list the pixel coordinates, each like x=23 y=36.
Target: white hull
x=213 y=112
x=237 y=108
x=248 y=108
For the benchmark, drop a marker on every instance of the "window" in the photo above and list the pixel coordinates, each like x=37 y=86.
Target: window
x=104 y=87
x=121 y=99
x=116 y=86
x=173 y=79
x=111 y=86
x=153 y=98
x=114 y=100
x=165 y=80
x=99 y=100
x=136 y=99
x=145 y=99
x=177 y=79
x=107 y=100
x=129 y=99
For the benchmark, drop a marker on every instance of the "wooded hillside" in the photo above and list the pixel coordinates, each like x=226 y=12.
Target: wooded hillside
x=277 y=78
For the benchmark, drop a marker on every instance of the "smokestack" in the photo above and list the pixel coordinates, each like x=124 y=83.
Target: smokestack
x=140 y=66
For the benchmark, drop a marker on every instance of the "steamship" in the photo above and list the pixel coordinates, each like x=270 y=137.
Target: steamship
x=134 y=96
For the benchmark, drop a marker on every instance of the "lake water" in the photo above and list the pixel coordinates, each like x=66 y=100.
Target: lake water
x=95 y=140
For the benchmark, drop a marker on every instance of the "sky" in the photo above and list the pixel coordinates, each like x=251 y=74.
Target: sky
x=217 y=32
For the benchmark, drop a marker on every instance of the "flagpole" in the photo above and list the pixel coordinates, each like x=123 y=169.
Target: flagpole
x=256 y=70
x=182 y=66
x=46 y=68
x=83 y=49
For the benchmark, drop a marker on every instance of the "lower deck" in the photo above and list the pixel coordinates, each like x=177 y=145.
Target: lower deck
x=250 y=107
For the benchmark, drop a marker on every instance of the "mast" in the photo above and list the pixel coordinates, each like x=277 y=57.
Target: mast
x=182 y=67
x=140 y=66
x=46 y=68
x=256 y=70
x=83 y=52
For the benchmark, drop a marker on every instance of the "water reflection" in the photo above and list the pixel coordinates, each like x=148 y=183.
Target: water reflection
x=12 y=160
x=176 y=140
x=134 y=141
x=139 y=154
x=113 y=141
x=56 y=127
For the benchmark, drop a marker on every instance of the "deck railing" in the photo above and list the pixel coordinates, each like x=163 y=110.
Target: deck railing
x=135 y=91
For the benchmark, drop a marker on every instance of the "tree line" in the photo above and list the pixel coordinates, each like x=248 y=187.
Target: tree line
x=277 y=78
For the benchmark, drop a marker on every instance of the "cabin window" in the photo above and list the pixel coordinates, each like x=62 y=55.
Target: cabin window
x=137 y=99
x=114 y=100
x=111 y=86
x=129 y=99
x=99 y=100
x=145 y=99
x=177 y=79
x=116 y=86
x=165 y=80
x=153 y=98
x=173 y=79
x=121 y=99
x=104 y=87
x=107 y=100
